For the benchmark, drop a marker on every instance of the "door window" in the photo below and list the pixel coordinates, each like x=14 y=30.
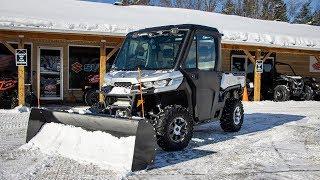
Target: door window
x=50 y=77
x=191 y=61
x=238 y=64
x=206 y=52
x=203 y=48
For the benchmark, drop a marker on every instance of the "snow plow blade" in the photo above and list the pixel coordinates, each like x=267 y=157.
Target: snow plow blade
x=145 y=139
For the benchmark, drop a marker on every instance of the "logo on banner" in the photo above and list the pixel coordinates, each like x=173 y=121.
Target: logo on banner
x=76 y=67
x=314 y=64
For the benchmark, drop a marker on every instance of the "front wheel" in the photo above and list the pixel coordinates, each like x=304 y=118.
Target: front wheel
x=232 y=116
x=91 y=97
x=281 y=93
x=174 y=128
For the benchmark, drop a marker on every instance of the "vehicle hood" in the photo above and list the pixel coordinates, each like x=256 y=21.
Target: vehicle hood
x=146 y=75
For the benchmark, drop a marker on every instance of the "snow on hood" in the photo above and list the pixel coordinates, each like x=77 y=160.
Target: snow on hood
x=102 y=18
x=295 y=77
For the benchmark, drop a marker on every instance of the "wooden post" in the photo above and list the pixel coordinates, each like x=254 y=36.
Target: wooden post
x=266 y=56
x=114 y=50
x=257 y=78
x=21 y=77
x=102 y=67
x=251 y=58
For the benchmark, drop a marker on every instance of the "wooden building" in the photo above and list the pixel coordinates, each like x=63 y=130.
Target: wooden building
x=61 y=55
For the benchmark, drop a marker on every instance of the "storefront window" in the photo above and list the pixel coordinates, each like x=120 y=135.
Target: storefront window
x=84 y=64
x=50 y=77
x=8 y=66
x=7 y=63
x=238 y=64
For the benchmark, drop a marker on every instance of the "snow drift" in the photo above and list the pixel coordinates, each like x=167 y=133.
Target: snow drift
x=101 y=18
x=98 y=148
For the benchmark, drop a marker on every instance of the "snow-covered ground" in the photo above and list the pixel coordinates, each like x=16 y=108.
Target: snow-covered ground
x=277 y=141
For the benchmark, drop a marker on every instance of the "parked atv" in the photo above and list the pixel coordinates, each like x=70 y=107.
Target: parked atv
x=311 y=88
x=287 y=87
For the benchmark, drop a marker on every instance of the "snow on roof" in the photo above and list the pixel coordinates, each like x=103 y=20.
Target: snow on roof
x=74 y=16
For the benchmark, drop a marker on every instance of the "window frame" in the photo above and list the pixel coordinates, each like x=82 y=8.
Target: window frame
x=68 y=64
x=246 y=59
x=215 y=36
x=59 y=48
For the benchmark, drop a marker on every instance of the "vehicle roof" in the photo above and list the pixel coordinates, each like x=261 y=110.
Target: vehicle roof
x=179 y=26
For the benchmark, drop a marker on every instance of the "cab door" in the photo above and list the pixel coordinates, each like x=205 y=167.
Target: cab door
x=200 y=67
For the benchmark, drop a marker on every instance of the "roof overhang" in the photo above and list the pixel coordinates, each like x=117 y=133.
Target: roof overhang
x=226 y=44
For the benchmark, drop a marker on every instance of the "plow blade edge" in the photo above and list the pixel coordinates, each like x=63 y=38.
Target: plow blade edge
x=145 y=140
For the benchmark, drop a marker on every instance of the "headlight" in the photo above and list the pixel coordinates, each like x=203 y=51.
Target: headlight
x=148 y=84
x=160 y=83
x=156 y=84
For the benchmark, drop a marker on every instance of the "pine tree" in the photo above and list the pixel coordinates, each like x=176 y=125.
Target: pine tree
x=238 y=5
x=316 y=18
x=250 y=8
x=304 y=16
x=165 y=3
x=229 y=8
x=280 y=11
x=266 y=9
x=293 y=7
x=135 y=2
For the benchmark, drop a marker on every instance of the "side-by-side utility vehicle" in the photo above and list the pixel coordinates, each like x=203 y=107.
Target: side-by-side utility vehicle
x=164 y=81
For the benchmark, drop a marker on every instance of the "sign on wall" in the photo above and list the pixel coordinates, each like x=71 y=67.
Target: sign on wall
x=314 y=64
x=21 y=57
x=259 y=66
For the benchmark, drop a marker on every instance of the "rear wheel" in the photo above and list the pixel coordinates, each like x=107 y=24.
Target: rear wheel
x=281 y=93
x=174 y=128
x=307 y=93
x=232 y=116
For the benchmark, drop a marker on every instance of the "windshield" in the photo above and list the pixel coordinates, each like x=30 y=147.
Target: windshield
x=150 y=51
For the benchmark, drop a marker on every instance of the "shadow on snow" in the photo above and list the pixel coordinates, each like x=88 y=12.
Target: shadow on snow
x=212 y=133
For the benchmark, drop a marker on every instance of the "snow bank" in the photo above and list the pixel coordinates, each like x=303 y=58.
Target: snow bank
x=93 y=17
x=18 y=109
x=98 y=148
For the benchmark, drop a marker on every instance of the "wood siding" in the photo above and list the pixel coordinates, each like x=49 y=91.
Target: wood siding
x=300 y=64
x=226 y=60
